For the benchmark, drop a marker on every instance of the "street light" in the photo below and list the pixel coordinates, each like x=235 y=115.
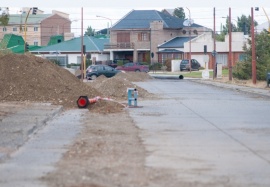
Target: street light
x=108 y=19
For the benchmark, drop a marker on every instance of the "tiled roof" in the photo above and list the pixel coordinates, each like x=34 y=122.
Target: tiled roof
x=32 y=19
x=92 y=44
x=177 y=42
x=139 y=19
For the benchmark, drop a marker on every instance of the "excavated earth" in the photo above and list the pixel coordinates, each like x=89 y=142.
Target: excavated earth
x=27 y=78
x=108 y=151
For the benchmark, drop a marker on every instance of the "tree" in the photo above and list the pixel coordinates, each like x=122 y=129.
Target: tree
x=89 y=31
x=243 y=70
x=4 y=17
x=179 y=12
x=243 y=24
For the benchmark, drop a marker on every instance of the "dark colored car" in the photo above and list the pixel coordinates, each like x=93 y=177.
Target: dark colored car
x=115 y=62
x=184 y=65
x=93 y=71
x=132 y=66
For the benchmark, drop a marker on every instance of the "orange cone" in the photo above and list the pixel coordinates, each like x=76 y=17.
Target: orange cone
x=91 y=101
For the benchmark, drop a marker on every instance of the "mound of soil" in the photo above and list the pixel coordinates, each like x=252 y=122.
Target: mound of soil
x=31 y=78
x=116 y=87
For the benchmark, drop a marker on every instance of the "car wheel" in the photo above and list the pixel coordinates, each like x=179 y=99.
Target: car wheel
x=93 y=77
x=137 y=70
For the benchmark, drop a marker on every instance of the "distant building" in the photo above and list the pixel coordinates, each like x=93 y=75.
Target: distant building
x=39 y=27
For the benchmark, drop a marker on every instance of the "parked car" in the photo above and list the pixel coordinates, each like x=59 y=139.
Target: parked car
x=184 y=65
x=115 y=62
x=132 y=66
x=94 y=71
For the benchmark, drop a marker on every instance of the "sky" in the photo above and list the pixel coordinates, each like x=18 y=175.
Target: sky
x=112 y=11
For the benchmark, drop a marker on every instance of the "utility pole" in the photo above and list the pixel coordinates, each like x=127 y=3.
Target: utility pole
x=189 y=41
x=25 y=30
x=230 y=45
x=82 y=59
x=214 y=51
x=253 y=48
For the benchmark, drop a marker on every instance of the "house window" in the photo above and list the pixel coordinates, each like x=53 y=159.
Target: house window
x=143 y=36
x=14 y=29
x=166 y=56
x=123 y=37
x=36 y=29
x=242 y=57
x=36 y=43
x=4 y=29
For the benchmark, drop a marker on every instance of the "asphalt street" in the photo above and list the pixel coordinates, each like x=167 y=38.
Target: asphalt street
x=209 y=135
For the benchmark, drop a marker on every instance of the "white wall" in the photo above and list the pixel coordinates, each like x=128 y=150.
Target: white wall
x=175 y=65
x=197 y=44
x=73 y=58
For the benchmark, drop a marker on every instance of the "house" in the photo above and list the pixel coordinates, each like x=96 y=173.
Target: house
x=173 y=49
x=139 y=33
x=69 y=52
x=196 y=46
x=37 y=28
x=222 y=49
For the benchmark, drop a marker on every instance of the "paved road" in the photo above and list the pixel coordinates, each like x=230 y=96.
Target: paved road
x=33 y=138
x=209 y=136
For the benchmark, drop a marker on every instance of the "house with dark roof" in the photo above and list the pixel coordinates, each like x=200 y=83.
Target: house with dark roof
x=69 y=52
x=38 y=28
x=174 y=48
x=139 y=35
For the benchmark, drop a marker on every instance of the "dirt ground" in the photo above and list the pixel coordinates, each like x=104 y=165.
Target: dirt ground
x=108 y=152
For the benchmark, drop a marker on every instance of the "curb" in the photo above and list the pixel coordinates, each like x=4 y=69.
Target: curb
x=258 y=91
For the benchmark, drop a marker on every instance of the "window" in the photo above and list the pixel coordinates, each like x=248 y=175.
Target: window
x=123 y=37
x=36 y=43
x=35 y=28
x=14 y=29
x=4 y=29
x=144 y=36
x=242 y=57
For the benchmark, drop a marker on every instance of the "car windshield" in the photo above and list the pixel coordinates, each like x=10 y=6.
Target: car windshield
x=184 y=62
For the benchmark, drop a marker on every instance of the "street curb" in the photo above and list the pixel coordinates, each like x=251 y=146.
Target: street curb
x=244 y=89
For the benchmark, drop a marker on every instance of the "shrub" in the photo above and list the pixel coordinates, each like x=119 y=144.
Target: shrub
x=242 y=70
x=155 y=66
x=168 y=63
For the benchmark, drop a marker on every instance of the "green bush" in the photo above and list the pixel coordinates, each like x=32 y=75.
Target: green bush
x=242 y=70
x=155 y=66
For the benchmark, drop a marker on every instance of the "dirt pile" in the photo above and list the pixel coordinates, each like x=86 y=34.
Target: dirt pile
x=31 y=78
x=116 y=87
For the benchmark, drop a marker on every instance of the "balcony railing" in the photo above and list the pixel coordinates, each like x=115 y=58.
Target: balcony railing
x=119 y=46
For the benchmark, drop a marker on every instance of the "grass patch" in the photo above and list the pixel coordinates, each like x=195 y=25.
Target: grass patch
x=198 y=74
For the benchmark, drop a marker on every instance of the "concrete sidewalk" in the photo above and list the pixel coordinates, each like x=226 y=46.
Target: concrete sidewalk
x=19 y=120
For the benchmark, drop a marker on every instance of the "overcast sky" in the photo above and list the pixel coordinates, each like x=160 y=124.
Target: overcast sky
x=113 y=10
